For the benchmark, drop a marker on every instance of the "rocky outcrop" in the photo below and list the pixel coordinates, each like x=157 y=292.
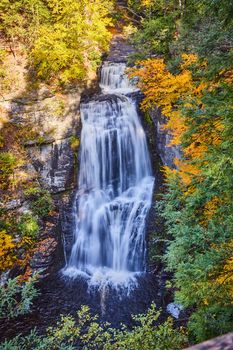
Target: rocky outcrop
x=53 y=119
x=166 y=152
x=47 y=125
x=120 y=49
x=55 y=164
x=224 y=342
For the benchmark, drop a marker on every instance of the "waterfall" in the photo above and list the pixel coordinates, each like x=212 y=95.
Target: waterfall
x=115 y=186
x=114 y=80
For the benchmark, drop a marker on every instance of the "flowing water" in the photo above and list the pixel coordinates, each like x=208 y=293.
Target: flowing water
x=115 y=187
x=109 y=216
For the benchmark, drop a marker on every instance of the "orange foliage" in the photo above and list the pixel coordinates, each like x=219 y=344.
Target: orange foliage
x=227 y=75
x=27 y=274
x=210 y=208
x=166 y=90
x=186 y=171
x=226 y=277
x=7 y=256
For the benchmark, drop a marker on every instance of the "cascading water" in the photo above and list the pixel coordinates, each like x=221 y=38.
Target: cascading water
x=115 y=186
x=114 y=80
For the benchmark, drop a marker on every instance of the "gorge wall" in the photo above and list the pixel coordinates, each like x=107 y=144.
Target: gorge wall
x=53 y=161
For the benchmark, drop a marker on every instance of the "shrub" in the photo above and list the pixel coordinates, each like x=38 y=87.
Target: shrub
x=28 y=226
x=8 y=163
x=43 y=205
x=15 y=298
x=74 y=142
x=41 y=201
x=7 y=251
x=154 y=37
x=89 y=334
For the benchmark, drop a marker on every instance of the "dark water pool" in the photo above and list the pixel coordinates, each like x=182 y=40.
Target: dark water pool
x=61 y=296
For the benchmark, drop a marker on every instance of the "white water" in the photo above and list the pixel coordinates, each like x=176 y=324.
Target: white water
x=114 y=79
x=115 y=188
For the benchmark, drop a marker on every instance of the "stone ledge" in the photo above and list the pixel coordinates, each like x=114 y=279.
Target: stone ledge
x=224 y=342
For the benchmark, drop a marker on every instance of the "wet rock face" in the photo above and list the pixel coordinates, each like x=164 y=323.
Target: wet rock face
x=53 y=117
x=120 y=49
x=43 y=256
x=53 y=120
x=166 y=152
x=55 y=163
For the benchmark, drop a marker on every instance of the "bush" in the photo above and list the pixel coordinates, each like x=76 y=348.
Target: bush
x=28 y=226
x=15 y=298
x=74 y=142
x=89 y=334
x=43 y=205
x=41 y=202
x=7 y=251
x=8 y=163
x=154 y=37
x=209 y=321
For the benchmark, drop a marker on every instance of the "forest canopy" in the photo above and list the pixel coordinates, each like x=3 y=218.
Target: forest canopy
x=185 y=69
x=64 y=39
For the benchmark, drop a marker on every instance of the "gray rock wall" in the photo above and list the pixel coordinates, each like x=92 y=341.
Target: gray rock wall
x=166 y=152
x=224 y=342
x=55 y=163
x=54 y=120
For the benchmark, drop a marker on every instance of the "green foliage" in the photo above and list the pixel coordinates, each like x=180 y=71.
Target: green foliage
x=205 y=323
x=74 y=142
x=154 y=8
x=90 y=334
x=41 y=202
x=148 y=118
x=43 y=205
x=147 y=336
x=155 y=36
x=75 y=30
x=3 y=74
x=28 y=226
x=200 y=254
x=32 y=192
x=70 y=57
x=16 y=298
x=198 y=213
x=8 y=163
x=21 y=19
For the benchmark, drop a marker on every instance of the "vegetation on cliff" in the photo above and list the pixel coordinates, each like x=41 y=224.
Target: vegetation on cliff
x=183 y=63
x=187 y=71
x=57 y=43
x=46 y=47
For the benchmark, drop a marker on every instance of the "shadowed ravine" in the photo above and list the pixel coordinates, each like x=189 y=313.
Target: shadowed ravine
x=106 y=268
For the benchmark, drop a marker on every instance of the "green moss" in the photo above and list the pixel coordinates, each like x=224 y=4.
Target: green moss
x=148 y=118
x=8 y=163
x=41 y=202
x=43 y=205
x=74 y=142
x=28 y=226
